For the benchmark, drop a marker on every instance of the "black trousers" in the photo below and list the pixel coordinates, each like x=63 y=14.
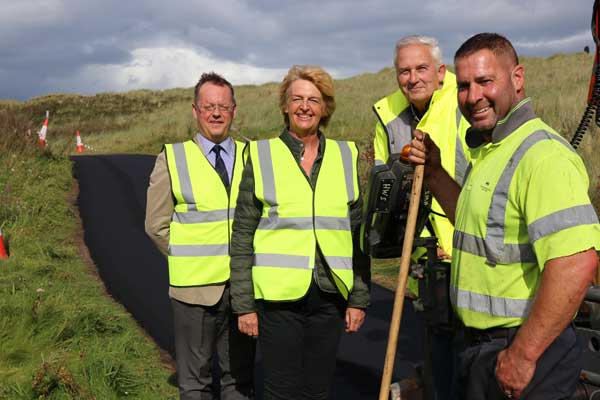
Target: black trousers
x=556 y=374
x=201 y=332
x=298 y=341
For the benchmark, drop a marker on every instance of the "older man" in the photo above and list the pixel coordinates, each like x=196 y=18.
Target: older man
x=192 y=194
x=426 y=100
x=526 y=234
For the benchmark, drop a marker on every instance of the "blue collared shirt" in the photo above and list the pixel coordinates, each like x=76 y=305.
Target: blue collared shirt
x=227 y=154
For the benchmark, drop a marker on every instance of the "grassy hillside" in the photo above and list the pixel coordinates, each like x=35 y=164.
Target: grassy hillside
x=141 y=121
x=61 y=336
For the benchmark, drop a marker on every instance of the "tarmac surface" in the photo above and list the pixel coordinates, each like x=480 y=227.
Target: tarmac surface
x=112 y=203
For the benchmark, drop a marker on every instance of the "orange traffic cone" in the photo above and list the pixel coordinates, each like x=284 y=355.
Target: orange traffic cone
x=43 y=131
x=3 y=253
x=79 y=147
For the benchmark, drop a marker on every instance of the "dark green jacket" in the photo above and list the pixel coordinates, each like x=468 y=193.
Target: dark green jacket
x=247 y=217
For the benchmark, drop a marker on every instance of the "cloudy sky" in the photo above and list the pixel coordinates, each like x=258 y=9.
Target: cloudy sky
x=91 y=46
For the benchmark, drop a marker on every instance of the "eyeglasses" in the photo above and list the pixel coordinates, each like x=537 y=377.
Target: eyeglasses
x=208 y=108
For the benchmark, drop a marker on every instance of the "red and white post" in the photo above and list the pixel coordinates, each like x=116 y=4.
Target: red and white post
x=43 y=131
x=79 y=148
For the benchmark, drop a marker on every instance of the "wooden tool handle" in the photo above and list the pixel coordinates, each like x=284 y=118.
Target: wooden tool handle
x=407 y=245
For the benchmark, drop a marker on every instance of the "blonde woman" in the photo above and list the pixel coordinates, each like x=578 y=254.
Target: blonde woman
x=298 y=278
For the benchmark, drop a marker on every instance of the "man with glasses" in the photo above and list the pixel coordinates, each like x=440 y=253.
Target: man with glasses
x=190 y=204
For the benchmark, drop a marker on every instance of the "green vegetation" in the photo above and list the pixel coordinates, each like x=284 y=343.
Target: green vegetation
x=61 y=336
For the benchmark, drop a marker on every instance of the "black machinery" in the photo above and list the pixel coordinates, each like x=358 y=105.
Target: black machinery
x=386 y=208
x=386 y=212
x=593 y=100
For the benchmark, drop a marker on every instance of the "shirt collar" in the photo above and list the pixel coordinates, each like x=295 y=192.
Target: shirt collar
x=207 y=145
x=297 y=146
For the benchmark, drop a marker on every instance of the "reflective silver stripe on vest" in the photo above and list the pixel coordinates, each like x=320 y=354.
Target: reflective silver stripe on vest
x=198 y=217
x=198 y=250
x=333 y=223
x=400 y=131
x=493 y=247
x=183 y=173
x=563 y=219
x=281 y=260
x=268 y=177
x=336 y=262
x=460 y=161
x=475 y=245
x=496 y=306
x=274 y=221
x=304 y=223
x=498 y=251
x=379 y=162
x=348 y=168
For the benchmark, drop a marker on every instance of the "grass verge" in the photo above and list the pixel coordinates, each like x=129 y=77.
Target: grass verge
x=61 y=336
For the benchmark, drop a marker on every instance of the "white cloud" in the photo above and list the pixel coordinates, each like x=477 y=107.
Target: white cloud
x=159 y=68
x=114 y=45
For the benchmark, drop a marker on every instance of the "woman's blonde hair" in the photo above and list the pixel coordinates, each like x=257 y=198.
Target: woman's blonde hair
x=318 y=77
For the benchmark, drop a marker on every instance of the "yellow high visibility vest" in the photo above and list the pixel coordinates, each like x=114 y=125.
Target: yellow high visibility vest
x=200 y=229
x=295 y=218
x=504 y=232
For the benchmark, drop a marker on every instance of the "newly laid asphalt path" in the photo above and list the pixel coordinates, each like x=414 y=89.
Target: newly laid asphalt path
x=112 y=203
